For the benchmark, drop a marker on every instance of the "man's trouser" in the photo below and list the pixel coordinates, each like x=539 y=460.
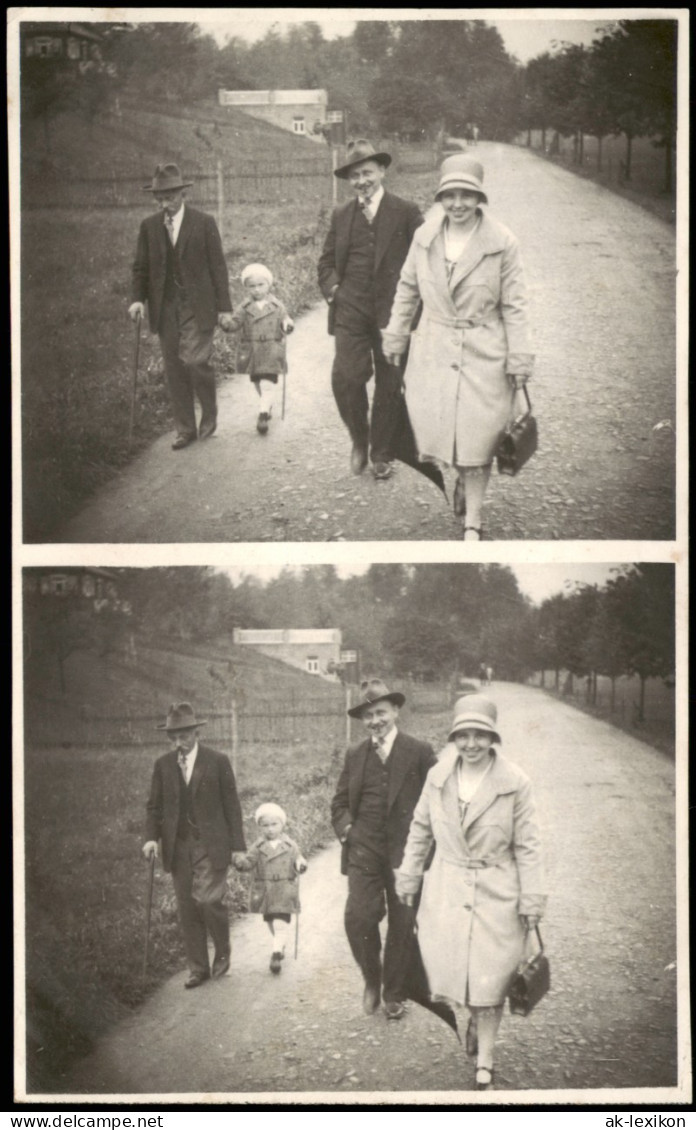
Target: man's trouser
x=200 y=890
x=358 y=354
x=365 y=908
x=187 y=353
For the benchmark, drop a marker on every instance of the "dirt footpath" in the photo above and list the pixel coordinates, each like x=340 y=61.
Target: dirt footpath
x=606 y=804
x=601 y=273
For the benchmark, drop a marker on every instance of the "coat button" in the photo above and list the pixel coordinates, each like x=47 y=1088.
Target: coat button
x=456 y=367
x=467 y=906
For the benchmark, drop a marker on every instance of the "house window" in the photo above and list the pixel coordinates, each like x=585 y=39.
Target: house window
x=298 y=125
x=313 y=664
x=45 y=47
x=62 y=585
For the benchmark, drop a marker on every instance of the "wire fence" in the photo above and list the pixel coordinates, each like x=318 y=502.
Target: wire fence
x=620 y=702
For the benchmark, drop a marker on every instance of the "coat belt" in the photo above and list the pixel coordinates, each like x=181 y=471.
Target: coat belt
x=462 y=323
x=478 y=864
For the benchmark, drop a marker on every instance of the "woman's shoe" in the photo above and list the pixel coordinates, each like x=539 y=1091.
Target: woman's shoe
x=276 y=959
x=459 y=502
x=478 y=530
x=471 y=1038
x=484 y=1078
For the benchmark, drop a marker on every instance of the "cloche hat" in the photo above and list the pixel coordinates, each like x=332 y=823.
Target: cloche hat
x=461 y=171
x=475 y=711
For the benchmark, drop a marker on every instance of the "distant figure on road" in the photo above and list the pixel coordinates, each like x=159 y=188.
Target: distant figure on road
x=180 y=271
x=485 y=889
x=276 y=861
x=359 y=268
x=483 y=674
x=194 y=810
x=471 y=351
x=474 y=135
x=376 y=794
x=489 y=675
x=265 y=324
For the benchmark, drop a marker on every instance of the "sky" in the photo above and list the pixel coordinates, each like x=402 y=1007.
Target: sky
x=523 y=38
x=536 y=581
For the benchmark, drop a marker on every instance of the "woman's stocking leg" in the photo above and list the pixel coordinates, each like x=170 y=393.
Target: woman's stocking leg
x=475 y=483
x=487 y=1025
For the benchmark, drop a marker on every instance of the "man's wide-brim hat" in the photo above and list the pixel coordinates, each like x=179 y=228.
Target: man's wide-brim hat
x=357 y=151
x=372 y=691
x=167 y=178
x=461 y=171
x=181 y=716
x=475 y=712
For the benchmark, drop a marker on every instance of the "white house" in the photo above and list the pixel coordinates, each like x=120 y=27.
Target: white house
x=301 y=112
x=314 y=650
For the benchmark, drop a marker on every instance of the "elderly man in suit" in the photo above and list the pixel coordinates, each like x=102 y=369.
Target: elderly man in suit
x=371 y=812
x=194 y=810
x=359 y=267
x=180 y=271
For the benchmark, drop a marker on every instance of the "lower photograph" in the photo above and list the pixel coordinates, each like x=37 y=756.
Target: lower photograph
x=387 y=833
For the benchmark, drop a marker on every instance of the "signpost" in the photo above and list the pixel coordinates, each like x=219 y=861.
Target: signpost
x=336 y=137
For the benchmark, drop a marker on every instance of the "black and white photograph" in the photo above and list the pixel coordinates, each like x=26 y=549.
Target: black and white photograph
x=350 y=558
x=215 y=215
x=484 y=752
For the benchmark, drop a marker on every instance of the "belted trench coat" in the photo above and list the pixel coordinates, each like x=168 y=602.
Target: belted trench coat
x=486 y=872
x=473 y=332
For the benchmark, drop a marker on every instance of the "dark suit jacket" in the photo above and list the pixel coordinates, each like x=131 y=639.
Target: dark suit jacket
x=412 y=760
x=203 y=267
x=398 y=220
x=216 y=805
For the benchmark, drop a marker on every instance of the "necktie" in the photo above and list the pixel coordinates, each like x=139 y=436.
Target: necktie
x=183 y=765
x=169 y=224
x=365 y=205
x=378 y=747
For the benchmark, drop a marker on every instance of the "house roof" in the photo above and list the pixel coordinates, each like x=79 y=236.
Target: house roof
x=56 y=28
x=273 y=97
x=287 y=635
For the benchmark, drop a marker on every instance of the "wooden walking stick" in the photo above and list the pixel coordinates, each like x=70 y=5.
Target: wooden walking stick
x=138 y=320
x=148 y=911
x=282 y=403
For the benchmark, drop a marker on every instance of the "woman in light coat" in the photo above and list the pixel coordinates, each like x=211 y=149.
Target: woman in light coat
x=485 y=888
x=471 y=350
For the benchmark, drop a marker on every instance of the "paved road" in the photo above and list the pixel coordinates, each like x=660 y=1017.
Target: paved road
x=602 y=276
x=607 y=810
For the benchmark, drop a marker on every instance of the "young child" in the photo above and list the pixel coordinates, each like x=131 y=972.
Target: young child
x=277 y=861
x=264 y=323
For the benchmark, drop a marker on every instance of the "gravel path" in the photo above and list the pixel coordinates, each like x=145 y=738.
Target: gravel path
x=607 y=809
x=602 y=275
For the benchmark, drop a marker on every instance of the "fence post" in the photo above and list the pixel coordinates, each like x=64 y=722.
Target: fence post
x=220 y=199
x=235 y=732
x=349 y=703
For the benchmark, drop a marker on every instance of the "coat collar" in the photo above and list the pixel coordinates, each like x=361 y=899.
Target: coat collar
x=249 y=307
x=488 y=239
x=500 y=779
x=270 y=852
x=398 y=765
x=199 y=767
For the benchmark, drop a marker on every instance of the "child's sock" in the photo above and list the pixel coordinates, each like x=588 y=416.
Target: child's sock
x=266 y=391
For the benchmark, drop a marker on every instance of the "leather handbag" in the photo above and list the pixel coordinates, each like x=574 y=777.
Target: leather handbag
x=531 y=982
x=518 y=442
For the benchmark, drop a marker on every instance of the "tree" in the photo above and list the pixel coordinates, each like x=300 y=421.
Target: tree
x=405 y=105
x=643 y=604
x=419 y=647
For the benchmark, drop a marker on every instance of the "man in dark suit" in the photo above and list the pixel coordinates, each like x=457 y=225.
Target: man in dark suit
x=180 y=271
x=377 y=791
x=194 y=810
x=359 y=268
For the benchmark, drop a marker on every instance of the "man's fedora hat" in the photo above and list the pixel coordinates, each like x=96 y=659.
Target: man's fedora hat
x=181 y=716
x=461 y=171
x=167 y=178
x=476 y=712
x=357 y=151
x=372 y=691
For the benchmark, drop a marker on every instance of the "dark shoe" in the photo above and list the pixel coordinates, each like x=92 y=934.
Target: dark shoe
x=195 y=980
x=371 y=999
x=382 y=470
x=358 y=459
x=276 y=961
x=485 y=1077
x=262 y=423
x=471 y=1039
x=182 y=441
x=459 y=503
x=394 y=1009
x=220 y=966
x=207 y=431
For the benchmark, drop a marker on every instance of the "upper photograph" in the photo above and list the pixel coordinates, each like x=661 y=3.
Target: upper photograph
x=346 y=280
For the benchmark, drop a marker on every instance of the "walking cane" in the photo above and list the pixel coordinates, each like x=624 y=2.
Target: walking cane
x=138 y=320
x=282 y=405
x=148 y=911
x=297 y=918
